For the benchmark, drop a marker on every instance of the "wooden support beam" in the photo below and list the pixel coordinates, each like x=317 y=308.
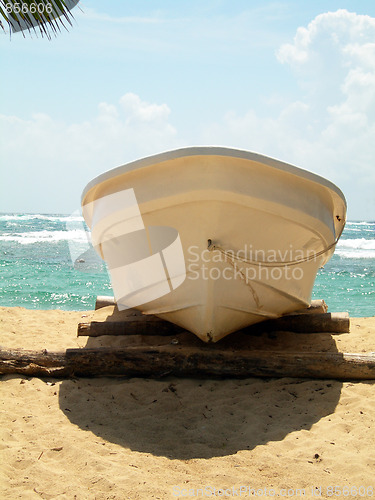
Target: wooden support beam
x=183 y=361
x=104 y=301
x=308 y=323
x=132 y=325
x=316 y=306
x=151 y=325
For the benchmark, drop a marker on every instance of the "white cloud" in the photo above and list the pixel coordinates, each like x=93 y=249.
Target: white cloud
x=347 y=35
x=331 y=130
x=138 y=111
x=47 y=162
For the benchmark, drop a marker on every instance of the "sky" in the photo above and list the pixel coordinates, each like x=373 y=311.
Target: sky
x=294 y=80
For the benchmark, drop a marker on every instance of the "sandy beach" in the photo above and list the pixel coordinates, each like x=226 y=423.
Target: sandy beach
x=117 y=438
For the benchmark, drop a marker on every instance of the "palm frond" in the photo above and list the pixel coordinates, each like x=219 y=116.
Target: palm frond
x=46 y=16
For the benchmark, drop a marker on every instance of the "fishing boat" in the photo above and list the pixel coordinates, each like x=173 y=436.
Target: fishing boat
x=213 y=239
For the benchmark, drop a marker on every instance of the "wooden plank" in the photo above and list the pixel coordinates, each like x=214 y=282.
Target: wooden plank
x=317 y=305
x=205 y=361
x=104 y=301
x=132 y=325
x=151 y=325
x=308 y=323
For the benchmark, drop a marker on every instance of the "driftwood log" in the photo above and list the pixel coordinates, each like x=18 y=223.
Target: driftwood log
x=151 y=325
x=205 y=361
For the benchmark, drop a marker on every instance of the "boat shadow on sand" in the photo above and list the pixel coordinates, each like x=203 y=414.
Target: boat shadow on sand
x=195 y=418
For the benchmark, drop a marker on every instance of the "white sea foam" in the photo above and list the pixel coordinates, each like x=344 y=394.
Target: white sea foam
x=44 y=236
x=356 y=248
x=356 y=254
x=363 y=223
x=357 y=243
x=370 y=230
x=24 y=217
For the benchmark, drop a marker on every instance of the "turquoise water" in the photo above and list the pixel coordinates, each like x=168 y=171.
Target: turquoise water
x=36 y=264
x=36 y=253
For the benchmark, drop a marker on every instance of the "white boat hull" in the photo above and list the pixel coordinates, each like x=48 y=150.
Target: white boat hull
x=254 y=232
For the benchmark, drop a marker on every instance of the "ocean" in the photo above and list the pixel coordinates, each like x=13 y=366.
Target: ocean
x=37 y=250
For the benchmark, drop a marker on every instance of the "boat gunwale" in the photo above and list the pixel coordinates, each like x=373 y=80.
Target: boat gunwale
x=219 y=151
